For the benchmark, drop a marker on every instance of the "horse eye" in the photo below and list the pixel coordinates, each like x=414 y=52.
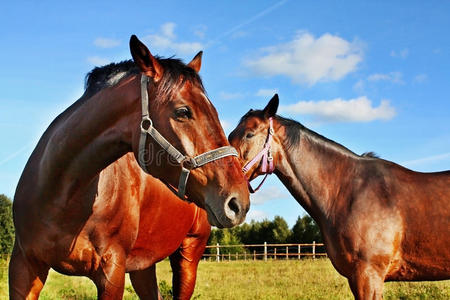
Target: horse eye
x=183 y=113
x=249 y=135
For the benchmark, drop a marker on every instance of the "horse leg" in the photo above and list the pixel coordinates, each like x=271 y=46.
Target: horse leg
x=145 y=284
x=109 y=278
x=184 y=263
x=26 y=276
x=367 y=283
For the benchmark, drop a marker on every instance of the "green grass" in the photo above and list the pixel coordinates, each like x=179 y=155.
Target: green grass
x=305 y=279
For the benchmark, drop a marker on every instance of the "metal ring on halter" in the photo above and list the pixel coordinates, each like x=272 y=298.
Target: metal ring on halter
x=146 y=119
x=188 y=163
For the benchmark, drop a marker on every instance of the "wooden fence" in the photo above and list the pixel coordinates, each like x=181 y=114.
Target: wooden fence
x=264 y=251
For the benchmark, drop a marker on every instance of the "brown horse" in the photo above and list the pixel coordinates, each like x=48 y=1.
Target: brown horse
x=155 y=236
x=152 y=107
x=380 y=221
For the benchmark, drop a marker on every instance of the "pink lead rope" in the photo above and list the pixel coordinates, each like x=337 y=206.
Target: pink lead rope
x=267 y=166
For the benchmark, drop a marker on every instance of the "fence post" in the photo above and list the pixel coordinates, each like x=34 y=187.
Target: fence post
x=265 y=251
x=237 y=256
x=314 y=250
x=245 y=255
x=275 y=253
x=254 y=254
x=287 y=252
x=217 y=253
x=229 y=256
x=299 y=251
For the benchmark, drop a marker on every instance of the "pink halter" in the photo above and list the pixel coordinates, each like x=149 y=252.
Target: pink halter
x=267 y=166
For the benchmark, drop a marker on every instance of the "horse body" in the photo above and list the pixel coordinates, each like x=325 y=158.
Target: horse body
x=388 y=217
x=63 y=212
x=131 y=213
x=380 y=221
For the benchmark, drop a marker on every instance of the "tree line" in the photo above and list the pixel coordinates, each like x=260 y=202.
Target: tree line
x=277 y=231
x=6 y=225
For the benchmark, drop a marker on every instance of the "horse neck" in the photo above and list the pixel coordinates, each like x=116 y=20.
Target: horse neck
x=316 y=172
x=93 y=135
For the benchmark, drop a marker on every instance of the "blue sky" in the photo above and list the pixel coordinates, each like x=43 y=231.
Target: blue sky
x=371 y=75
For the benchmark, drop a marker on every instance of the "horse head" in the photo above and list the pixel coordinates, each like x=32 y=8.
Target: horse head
x=181 y=134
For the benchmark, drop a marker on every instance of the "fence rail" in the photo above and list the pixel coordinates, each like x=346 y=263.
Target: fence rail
x=264 y=251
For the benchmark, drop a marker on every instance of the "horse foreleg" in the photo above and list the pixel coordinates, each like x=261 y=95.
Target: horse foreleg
x=145 y=284
x=367 y=283
x=184 y=263
x=26 y=276
x=109 y=278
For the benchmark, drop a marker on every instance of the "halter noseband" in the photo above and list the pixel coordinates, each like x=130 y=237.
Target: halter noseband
x=265 y=154
x=186 y=163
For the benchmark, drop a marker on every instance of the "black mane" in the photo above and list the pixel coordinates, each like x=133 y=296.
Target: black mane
x=370 y=154
x=174 y=69
x=293 y=130
x=99 y=77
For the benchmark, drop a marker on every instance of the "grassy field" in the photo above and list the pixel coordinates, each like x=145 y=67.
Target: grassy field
x=306 y=279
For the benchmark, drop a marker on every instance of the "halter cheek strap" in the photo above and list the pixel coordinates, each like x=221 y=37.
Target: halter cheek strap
x=265 y=155
x=186 y=163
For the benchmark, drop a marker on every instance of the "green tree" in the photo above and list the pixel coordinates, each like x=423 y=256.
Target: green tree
x=280 y=230
x=225 y=236
x=6 y=225
x=305 y=230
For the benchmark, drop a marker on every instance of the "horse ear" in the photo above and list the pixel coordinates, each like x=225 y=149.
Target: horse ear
x=196 y=62
x=271 y=108
x=144 y=59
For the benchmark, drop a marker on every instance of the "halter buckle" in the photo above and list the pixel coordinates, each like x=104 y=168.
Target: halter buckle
x=146 y=124
x=188 y=163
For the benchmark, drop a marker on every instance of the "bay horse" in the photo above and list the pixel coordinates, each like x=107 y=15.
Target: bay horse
x=165 y=226
x=380 y=221
x=155 y=237
x=156 y=108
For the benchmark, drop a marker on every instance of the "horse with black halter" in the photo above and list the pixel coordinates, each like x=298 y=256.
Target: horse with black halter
x=380 y=221
x=157 y=109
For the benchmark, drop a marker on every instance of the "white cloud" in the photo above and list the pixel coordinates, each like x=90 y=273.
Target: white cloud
x=394 y=77
x=106 y=43
x=267 y=193
x=307 y=59
x=230 y=96
x=266 y=92
x=166 y=40
x=401 y=54
x=98 y=61
x=340 y=110
x=256 y=215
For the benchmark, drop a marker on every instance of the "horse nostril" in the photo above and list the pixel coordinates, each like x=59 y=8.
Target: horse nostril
x=234 y=206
